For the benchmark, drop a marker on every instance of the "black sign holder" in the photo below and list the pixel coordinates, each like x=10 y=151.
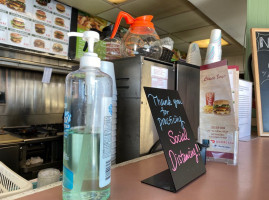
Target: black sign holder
x=162 y=180
x=180 y=149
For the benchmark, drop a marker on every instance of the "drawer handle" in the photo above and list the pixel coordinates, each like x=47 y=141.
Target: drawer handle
x=122 y=87
x=122 y=79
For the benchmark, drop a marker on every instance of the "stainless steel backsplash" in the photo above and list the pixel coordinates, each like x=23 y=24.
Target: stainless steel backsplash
x=28 y=100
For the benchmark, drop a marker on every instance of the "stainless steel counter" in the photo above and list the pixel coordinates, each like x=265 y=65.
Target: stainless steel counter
x=7 y=138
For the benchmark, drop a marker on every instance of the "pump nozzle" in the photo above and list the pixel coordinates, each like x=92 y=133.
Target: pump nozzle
x=89 y=59
x=90 y=36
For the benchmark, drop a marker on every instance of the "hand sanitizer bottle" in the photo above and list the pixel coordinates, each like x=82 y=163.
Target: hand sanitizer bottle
x=87 y=128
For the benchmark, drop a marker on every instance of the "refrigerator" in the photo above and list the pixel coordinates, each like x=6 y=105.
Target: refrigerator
x=136 y=132
x=188 y=87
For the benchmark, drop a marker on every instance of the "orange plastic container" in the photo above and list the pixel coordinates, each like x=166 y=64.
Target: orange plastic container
x=141 y=38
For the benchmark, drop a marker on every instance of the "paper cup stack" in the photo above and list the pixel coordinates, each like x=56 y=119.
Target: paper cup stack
x=108 y=68
x=214 y=51
x=194 y=56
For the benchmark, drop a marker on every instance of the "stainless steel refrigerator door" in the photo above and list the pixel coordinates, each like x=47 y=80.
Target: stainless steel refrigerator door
x=188 y=87
x=148 y=132
x=136 y=132
x=128 y=81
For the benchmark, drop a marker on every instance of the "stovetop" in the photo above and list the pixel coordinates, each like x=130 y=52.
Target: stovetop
x=36 y=131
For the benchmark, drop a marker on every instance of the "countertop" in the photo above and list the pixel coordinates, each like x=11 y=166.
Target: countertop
x=247 y=181
x=7 y=138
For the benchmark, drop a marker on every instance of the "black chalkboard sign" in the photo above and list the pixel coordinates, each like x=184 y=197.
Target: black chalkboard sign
x=180 y=149
x=260 y=54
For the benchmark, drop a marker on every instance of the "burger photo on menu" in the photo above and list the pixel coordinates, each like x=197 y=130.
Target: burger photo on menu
x=43 y=2
x=58 y=35
x=57 y=47
x=39 y=28
x=221 y=107
x=3 y=2
x=17 y=23
x=15 y=37
x=59 y=21
x=41 y=15
x=60 y=8
x=18 y=5
x=39 y=43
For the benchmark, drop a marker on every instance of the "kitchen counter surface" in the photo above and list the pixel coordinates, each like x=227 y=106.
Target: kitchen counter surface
x=247 y=181
x=7 y=138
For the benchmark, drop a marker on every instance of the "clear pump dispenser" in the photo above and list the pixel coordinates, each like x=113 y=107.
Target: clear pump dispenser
x=87 y=128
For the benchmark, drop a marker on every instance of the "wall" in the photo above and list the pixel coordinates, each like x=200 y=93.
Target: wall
x=230 y=15
x=28 y=100
x=236 y=60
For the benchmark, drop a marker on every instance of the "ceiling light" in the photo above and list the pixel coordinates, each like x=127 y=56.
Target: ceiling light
x=205 y=43
x=116 y=1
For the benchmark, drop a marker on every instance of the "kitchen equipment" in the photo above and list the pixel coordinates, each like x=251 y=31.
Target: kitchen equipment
x=141 y=38
x=11 y=183
x=136 y=132
x=188 y=87
x=45 y=141
x=113 y=45
x=29 y=101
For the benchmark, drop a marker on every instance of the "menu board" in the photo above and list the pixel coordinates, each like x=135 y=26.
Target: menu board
x=36 y=25
x=260 y=53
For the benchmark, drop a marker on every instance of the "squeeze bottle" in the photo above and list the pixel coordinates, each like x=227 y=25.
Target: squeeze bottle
x=87 y=128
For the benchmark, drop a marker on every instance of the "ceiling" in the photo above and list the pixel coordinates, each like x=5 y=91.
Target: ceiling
x=177 y=19
x=230 y=15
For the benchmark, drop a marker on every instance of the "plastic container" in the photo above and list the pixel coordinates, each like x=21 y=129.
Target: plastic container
x=168 y=43
x=167 y=55
x=48 y=176
x=108 y=68
x=87 y=128
x=141 y=38
x=11 y=183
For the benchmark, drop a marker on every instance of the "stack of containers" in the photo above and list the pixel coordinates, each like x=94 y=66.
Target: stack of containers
x=214 y=51
x=108 y=68
x=194 y=56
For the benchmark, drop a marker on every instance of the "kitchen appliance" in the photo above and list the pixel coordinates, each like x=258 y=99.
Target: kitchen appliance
x=141 y=38
x=44 y=141
x=136 y=132
x=29 y=103
x=188 y=87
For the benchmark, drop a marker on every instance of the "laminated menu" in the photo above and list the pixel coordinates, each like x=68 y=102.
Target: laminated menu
x=35 y=24
x=217 y=115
